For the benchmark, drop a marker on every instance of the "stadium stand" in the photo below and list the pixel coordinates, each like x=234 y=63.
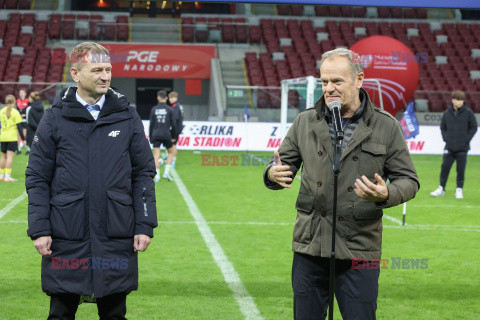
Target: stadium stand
x=449 y=64
x=293 y=42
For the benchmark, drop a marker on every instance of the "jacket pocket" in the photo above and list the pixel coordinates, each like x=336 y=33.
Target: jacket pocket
x=365 y=232
x=304 y=225
x=372 y=159
x=68 y=216
x=120 y=215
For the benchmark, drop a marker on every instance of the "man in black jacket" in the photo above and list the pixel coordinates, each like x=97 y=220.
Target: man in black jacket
x=34 y=114
x=458 y=127
x=91 y=196
x=162 y=128
x=178 y=111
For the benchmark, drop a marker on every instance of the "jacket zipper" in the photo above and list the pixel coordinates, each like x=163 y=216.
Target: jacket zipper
x=145 y=202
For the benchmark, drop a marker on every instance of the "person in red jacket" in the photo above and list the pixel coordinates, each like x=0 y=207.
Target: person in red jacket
x=22 y=104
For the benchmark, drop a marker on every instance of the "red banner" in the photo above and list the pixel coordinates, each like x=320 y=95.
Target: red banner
x=160 y=61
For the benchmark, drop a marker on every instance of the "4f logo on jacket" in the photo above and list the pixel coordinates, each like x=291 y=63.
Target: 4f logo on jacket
x=114 y=133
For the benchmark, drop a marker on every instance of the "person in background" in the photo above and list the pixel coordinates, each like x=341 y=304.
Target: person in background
x=22 y=104
x=458 y=126
x=34 y=114
x=178 y=112
x=9 y=117
x=162 y=128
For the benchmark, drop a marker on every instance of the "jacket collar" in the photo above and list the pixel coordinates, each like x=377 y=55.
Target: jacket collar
x=361 y=132
x=461 y=109
x=114 y=102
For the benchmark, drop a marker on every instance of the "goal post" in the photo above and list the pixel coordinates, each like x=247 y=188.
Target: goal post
x=310 y=89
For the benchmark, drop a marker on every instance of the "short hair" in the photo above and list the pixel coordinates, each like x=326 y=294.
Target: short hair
x=81 y=50
x=459 y=95
x=173 y=94
x=162 y=94
x=353 y=59
x=34 y=95
x=24 y=90
x=10 y=99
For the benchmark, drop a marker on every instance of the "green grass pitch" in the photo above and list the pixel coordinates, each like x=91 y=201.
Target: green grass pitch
x=179 y=278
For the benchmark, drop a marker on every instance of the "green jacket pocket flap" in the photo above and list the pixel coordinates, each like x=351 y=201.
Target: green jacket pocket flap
x=374 y=148
x=304 y=203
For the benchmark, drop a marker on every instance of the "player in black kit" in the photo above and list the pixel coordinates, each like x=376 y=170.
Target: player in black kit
x=178 y=111
x=162 y=127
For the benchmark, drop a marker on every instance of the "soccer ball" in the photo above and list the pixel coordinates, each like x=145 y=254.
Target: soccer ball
x=160 y=162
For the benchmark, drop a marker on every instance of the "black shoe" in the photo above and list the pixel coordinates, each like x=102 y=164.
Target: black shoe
x=28 y=152
x=19 y=152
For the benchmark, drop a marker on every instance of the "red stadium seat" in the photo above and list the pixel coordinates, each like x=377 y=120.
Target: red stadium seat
x=321 y=11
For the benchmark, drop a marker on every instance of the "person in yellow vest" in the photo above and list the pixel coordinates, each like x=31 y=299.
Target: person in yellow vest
x=9 y=118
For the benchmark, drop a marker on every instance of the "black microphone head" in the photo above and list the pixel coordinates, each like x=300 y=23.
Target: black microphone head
x=334 y=104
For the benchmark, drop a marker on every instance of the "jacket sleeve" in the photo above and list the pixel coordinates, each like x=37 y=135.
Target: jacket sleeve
x=31 y=119
x=289 y=155
x=180 y=121
x=143 y=171
x=173 y=122
x=400 y=170
x=443 y=126
x=38 y=177
x=472 y=125
x=150 y=127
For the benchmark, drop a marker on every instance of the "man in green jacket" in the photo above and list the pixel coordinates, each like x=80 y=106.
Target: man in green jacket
x=373 y=150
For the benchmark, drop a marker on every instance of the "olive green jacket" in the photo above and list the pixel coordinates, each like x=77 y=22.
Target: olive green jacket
x=376 y=146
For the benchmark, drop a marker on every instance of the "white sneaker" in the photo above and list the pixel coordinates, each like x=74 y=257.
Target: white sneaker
x=157 y=178
x=459 y=193
x=10 y=179
x=168 y=177
x=439 y=192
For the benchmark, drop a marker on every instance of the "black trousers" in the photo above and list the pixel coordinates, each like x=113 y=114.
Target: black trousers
x=448 y=159
x=356 y=290
x=64 y=306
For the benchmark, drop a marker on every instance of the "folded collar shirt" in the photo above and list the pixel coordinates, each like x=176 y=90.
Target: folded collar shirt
x=93 y=109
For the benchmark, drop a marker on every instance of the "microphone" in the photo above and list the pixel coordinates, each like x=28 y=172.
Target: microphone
x=335 y=107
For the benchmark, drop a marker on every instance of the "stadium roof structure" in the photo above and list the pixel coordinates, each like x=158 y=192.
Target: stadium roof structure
x=459 y=4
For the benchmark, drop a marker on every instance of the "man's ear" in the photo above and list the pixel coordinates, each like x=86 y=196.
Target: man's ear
x=74 y=74
x=359 y=78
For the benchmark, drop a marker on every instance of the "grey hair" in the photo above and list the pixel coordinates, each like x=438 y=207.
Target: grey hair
x=353 y=59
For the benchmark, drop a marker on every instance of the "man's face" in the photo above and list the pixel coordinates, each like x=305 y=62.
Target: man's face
x=93 y=78
x=339 y=83
x=22 y=94
x=457 y=103
x=172 y=100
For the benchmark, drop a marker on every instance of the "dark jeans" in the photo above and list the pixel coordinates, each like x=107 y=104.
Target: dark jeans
x=64 y=306
x=356 y=290
x=448 y=159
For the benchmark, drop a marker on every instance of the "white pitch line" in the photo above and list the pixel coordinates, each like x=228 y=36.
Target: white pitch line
x=244 y=299
x=467 y=228
x=424 y=227
x=444 y=206
x=393 y=219
x=12 y=204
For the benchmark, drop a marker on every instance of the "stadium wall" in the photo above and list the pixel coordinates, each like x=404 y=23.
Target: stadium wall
x=262 y=136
